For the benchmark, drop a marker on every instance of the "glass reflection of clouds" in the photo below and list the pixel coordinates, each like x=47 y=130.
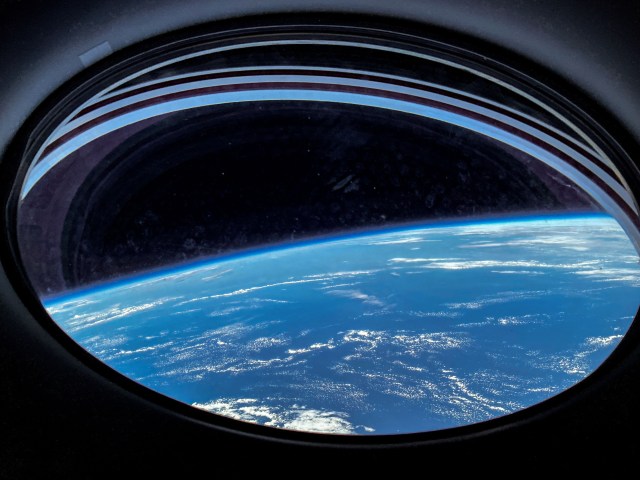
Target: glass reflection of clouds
x=574 y=161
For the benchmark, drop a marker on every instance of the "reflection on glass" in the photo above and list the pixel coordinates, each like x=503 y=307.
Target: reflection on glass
x=327 y=249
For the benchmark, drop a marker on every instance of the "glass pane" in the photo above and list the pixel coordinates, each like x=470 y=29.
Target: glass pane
x=331 y=248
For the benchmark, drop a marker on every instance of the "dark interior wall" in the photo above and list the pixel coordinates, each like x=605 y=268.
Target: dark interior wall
x=64 y=415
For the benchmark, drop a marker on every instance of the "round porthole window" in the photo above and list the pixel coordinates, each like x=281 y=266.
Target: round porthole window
x=328 y=229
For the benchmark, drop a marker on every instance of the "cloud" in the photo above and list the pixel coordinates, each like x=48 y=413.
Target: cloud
x=401 y=240
x=503 y=297
x=149 y=348
x=316 y=346
x=293 y=417
x=57 y=307
x=315 y=278
x=613 y=274
x=320 y=421
x=441 y=314
x=103 y=346
x=244 y=291
x=266 y=342
x=357 y=295
x=216 y=275
x=601 y=342
x=470 y=264
x=414 y=344
x=196 y=369
x=576 y=362
x=517 y=320
x=407 y=343
x=518 y=272
x=184 y=312
x=230 y=310
x=465 y=395
x=419 y=260
x=527 y=319
x=565 y=241
x=347 y=274
x=82 y=321
x=338 y=285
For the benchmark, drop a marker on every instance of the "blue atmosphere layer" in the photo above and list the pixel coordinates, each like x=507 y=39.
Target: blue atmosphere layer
x=185 y=267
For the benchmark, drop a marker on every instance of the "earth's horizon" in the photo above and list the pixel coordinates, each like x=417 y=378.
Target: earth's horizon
x=400 y=330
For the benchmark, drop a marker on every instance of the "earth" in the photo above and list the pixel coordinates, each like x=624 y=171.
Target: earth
x=403 y=330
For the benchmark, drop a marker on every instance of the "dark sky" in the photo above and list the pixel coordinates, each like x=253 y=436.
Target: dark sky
x=228 y=178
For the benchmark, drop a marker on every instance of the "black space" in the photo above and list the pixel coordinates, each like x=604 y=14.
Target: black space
x=234 y=177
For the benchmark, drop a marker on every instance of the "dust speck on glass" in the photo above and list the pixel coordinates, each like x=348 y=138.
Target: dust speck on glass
x=334 y=231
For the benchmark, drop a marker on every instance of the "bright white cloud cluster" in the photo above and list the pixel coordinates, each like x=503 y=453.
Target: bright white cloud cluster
x=92 y=318
x=357 y=295
x=294 y=417
x=401 y=343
